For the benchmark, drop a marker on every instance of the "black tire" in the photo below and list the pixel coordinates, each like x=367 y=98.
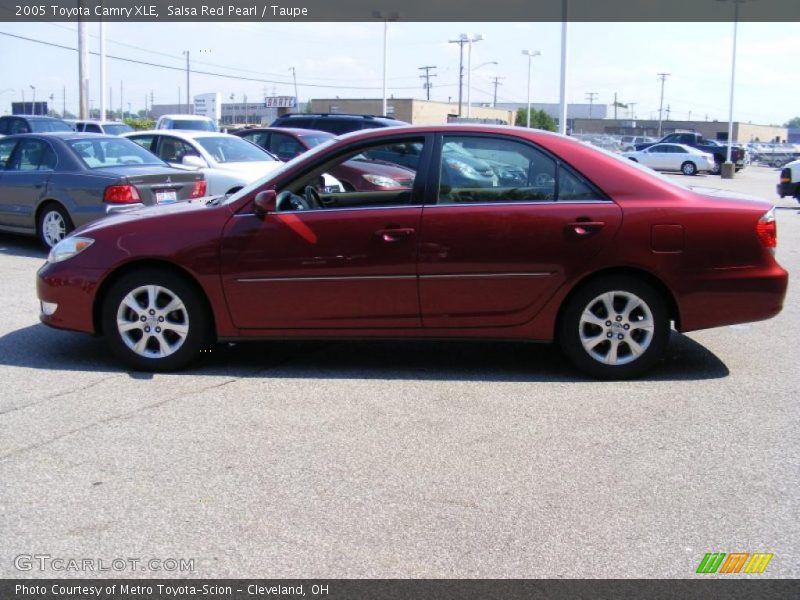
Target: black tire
x=601 y=337
x=162 y=329
x=689 y=168
x=53 y=224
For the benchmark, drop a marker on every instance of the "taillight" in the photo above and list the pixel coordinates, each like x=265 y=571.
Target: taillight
x=767 y=231
x=121 y=194
x=199 y=189
x=786 y=176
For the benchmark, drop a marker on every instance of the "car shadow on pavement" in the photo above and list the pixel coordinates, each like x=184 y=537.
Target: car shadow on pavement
x=20 y=245
x=39 y=347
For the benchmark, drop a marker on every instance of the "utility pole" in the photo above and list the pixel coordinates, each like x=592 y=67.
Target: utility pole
x=667 y=112
x=632 y=106
x=663 y=78
x=111 y=100
x=496 y=82
x=83 y=69
x=460 y=41
x=590 y=96
x=64 y=102
x=427 y=77
x=615 y=106
x=121 y=103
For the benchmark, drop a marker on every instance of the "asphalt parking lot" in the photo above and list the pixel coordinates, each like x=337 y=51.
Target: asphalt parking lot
x=402 y=459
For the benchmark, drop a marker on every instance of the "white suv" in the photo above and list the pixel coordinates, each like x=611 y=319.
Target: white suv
x=186 y=122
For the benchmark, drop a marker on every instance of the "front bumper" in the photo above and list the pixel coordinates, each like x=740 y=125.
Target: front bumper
x=66 y=296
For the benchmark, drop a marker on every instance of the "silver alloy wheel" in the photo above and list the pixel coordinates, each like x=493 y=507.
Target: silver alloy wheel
x=152 y=321
x=616 y=327
x=689 y=168
x=54 y=229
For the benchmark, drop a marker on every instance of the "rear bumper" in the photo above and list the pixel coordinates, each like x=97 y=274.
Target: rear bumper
x=788 y=189
x=731 y=296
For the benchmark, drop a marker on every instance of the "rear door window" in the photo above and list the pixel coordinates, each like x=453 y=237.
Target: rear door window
x=34 y=155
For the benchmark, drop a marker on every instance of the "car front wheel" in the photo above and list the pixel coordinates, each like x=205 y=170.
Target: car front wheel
x=614 y=328
x=154 y=320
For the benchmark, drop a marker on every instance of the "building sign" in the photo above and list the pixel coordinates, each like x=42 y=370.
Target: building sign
x=208 y=105
x=280 y=102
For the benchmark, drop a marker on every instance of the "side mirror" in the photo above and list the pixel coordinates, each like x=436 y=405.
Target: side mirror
x=196 y=162
x=265 y=202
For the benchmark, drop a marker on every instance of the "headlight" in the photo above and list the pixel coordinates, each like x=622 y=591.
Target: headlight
x=68 y=247
x=381 y=181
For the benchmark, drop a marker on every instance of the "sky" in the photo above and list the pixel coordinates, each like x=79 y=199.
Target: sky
x=346 y=60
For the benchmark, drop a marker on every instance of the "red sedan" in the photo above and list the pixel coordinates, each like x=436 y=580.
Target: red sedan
x=583 y=247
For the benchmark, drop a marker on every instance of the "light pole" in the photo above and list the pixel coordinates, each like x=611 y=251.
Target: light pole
x=562 y=96
x=727 y=170
x=33 y=102
x=530 y=54
x=470 y=39
x=296 y=96
x=233 y=109
x=103 y=105
x=663 y=78
x=189 y=110
x=393 y=16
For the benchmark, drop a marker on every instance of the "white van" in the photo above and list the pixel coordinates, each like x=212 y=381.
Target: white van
x=186 y=122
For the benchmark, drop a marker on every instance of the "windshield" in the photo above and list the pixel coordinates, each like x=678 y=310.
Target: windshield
x=117 y=128
x=280 y=170
x=99 y=153
x=226 y=149
x=316 y=139
x=193 y=124
x=45 y=125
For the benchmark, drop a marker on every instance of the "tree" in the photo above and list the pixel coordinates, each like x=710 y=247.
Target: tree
x=793 y=123
x=539 y=119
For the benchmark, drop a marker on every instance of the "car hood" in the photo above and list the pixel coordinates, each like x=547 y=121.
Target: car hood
x=145 y=213
x=250 y=170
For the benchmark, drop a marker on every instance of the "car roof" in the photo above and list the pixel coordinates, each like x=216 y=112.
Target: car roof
x=42 y=117
x=186 y=117
x=180 y=133
x=66 y=136
x=291 y=130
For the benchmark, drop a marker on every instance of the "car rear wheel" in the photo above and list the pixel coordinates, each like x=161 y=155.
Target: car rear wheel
x=54 y=225
x=717 y=168
x=689 y=168
x=154 y=320
x=614 y=328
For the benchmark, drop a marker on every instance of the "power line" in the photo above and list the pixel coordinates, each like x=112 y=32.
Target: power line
x=209 y=73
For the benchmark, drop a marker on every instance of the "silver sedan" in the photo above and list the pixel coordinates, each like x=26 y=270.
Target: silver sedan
x=673 y=157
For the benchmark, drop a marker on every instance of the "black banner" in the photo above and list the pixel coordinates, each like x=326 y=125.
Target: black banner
x=400 y=589
x=402 y=10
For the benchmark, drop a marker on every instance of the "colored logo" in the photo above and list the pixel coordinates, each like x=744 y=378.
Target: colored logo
x=737 y=562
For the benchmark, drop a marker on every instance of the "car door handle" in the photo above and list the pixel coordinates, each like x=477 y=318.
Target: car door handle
x=394 y=234
x=585 y=228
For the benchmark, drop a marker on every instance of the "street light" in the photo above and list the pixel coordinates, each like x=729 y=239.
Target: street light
x=33 y=102
x=727 y=171
x=393 y=16
x=530 y=54
x=233 y=110
x=470 y=38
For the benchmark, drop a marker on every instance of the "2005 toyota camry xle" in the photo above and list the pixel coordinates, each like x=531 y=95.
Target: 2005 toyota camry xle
x=511 y=233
